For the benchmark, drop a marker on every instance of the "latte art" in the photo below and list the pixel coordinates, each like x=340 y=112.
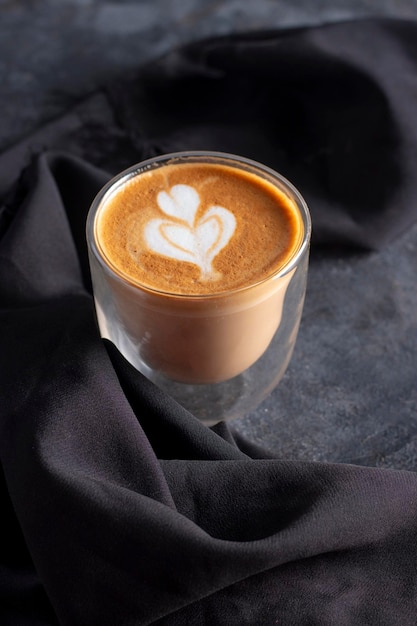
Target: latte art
x=198 y=229
x=184 y=238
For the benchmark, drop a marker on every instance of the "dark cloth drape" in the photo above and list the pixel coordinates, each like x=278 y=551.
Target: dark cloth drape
x=118 y=506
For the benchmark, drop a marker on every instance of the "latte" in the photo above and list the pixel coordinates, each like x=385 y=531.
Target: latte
x=191 y=257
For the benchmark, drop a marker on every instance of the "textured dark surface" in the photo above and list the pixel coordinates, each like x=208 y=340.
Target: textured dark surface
x=349 y=393
x=53 y=53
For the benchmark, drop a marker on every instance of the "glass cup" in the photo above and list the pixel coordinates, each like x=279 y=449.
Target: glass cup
x=220 y=354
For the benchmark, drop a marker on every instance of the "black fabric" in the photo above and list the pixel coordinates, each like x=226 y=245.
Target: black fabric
x=118 y=506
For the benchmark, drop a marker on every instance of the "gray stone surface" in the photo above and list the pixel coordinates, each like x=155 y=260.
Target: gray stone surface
x=349 y=393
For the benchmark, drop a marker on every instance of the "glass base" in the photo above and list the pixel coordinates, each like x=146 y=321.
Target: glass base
x=215 y=402
x=226 y=400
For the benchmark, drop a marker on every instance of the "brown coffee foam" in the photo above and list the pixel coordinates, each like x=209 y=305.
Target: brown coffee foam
x=268 y=228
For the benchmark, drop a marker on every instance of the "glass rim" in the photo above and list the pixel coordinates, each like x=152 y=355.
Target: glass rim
x=188 y=156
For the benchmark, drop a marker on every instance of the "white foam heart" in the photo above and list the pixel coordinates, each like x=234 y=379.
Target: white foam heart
x=184 y=240
x=181 y=202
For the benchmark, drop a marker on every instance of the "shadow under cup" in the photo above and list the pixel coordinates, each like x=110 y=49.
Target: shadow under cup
x=219 y=355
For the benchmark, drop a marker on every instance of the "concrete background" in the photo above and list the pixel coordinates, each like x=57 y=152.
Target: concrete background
x=52 y=52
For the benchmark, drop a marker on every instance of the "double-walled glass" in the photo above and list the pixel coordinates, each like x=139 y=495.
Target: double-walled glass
x=219 y=354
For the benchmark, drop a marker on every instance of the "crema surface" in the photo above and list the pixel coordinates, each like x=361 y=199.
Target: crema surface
x=198 y=228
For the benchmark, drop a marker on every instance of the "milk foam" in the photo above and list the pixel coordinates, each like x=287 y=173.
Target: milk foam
x=184 y=238
x=168 y=229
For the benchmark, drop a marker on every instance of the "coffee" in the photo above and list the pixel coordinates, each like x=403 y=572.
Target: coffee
x=191 y=256
x=198 y=229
